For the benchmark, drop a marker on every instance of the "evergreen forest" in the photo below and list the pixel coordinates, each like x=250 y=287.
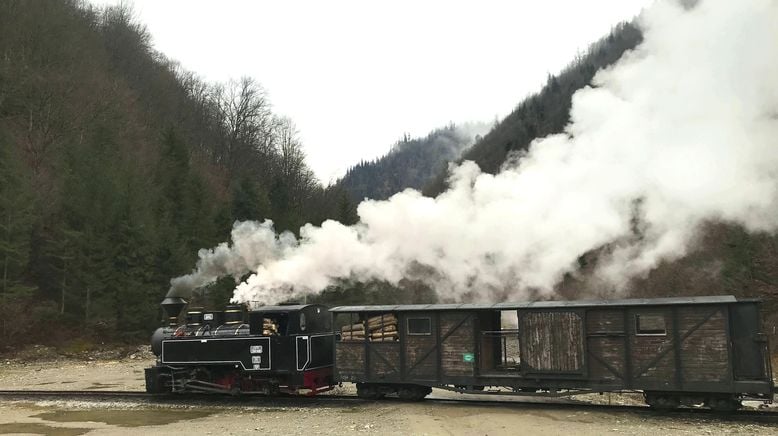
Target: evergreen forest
x=117 y=166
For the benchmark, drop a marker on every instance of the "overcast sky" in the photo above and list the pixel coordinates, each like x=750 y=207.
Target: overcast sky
x=355 y=75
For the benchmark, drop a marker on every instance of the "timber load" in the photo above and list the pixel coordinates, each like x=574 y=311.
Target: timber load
x=353 y=332
x=383 y=328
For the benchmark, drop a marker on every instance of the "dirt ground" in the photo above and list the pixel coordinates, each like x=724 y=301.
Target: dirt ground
x=227 y=416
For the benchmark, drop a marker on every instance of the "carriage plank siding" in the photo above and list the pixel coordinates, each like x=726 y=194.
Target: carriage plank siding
x=604 y=321
x=605 y=331
x=350 y=359
x=695 y=346
x=705 y=354
x=552 y=341
x=458 y=326
x=646 y=348
x=606 y=359
x=384 y=360
x=420 y=350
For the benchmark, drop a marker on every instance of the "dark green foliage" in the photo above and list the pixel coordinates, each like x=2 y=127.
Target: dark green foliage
x=546 y=112
x=116 y=167
x=16 y=219
x=411 y=163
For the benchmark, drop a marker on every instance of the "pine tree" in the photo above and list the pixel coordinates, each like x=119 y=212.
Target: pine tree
x=16 y=220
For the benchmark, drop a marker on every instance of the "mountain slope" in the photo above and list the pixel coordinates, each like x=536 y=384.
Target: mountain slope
x=546 y=112
x=411 y=163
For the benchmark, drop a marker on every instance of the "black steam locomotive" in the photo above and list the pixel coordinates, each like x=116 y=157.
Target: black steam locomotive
x=676 y=351
x=278 y=349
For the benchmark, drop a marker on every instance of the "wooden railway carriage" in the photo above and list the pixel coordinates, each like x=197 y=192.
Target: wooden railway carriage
x=276 y=349
x=676 y=350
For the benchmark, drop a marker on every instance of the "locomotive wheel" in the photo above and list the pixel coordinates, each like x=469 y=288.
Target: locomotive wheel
x=413 y=393
x=660 y=401
x=368 y=391
x=155 y=381
x=154 y=385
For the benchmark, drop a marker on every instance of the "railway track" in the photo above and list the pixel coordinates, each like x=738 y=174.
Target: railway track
x=753 y=415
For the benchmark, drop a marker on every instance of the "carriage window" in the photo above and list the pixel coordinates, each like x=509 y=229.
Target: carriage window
x=650 y=325
x=419 y=326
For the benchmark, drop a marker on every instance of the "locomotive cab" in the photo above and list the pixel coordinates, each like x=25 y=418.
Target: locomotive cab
x=300 y=341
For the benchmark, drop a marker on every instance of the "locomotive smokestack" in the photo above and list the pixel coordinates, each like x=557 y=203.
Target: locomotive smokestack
x=172 y=307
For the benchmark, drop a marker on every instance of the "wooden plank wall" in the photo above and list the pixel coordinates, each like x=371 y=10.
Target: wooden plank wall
x=645 y=349
x=704 y=354
x=552 y=341
x=418 y=346
x=350 y=359
x=384 y=360
x=461 y=340
x=605 y=330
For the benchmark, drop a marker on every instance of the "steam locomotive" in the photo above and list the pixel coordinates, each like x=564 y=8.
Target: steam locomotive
x=676 y=351
x=278 y=349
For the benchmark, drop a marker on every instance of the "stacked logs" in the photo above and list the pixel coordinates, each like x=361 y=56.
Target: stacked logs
x=353 y=332
x=383 y=328
x=269 y=327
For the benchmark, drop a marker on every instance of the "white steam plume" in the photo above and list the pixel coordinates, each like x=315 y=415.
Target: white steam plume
x=681 y=131
x=253 y=243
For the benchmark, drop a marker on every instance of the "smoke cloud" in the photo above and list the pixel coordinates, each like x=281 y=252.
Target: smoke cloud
x=253 y=244
x=683 y=130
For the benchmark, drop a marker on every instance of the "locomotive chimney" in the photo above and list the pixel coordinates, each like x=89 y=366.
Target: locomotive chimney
x=172 y=307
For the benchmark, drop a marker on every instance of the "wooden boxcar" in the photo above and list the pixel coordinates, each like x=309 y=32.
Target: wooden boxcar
x=675 y=350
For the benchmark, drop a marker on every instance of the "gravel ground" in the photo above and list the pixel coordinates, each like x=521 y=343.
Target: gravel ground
x=223 y=416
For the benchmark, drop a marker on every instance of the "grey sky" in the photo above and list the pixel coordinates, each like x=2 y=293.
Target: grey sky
x=355 y=75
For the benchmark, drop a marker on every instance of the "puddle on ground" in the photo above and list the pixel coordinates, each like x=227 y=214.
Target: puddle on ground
x=124 y=418
x=36 y=428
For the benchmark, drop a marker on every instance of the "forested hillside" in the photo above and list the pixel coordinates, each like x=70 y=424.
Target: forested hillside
x=411 y=163
x=547 y=111
x=117 y=166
